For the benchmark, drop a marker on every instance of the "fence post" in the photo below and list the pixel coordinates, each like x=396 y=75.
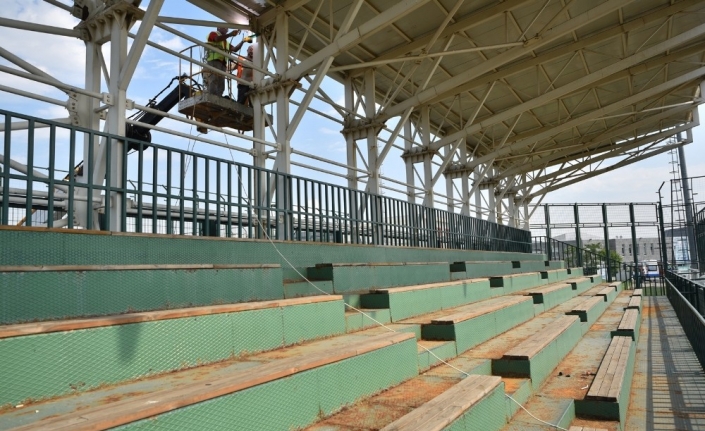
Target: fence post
x=548 y=233
x=637 y=272
x=578 y=240
x=664 y=249
x=608 y=261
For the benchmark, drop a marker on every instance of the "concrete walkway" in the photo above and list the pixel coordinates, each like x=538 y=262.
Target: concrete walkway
x=668 y=389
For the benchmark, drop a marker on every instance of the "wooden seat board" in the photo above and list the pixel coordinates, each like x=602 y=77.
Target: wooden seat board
x=629 y=319
x=441 y=411
x=390 y=290
x=147 y=405
x=637 y=292
x=634 y=302
x=34 y=328
x=480 y=309
x=528 y=348
x=610 y=374
x=586 y=305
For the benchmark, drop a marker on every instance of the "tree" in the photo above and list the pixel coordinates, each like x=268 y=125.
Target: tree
x=614 y=261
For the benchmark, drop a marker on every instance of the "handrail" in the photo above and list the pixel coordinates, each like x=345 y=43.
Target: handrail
x=183 y=192
x=687 y=299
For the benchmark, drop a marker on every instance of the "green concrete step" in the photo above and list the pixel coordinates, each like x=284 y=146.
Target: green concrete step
x=589 y=310
x=515 y=282
x=303 y=382
x=472 y=324
x=558 y=411
x=629 y=325
x=41 y=246
x=431 y=353
x=409 y=301
x=554 y=275
x=358 y=277
x=538 y=355
x=608 y=396
x=581 y=284
x=301 y=288
x=576 y=271
x=635 y=303
x=519 y=390
x=473 y=403
x=474 y=269
x=50 y=359
x=550 y=295
x=356 y=320
x=34 y=293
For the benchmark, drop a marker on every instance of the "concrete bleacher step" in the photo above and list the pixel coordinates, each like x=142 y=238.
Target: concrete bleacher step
x=550 y=295
x=361 y=277
x=536 y=356
x=408 y=301
x=35 y=293
x=589 y=310
x=472 y=324
x=48 y=359
x=303 y=382
x=516 y=282
x=569 y=382
x=473 y=399
x=629 y=325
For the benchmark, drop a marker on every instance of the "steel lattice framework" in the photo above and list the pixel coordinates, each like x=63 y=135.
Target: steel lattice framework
x=505 y=101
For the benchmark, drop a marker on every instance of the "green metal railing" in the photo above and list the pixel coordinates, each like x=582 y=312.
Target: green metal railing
x=173 y=191
x=700 y=238
x=688 y=300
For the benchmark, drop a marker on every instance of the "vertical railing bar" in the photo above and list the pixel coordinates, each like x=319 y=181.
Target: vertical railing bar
x=72 y=178
x=51 y=192
x=30 y=173
x=89 y=169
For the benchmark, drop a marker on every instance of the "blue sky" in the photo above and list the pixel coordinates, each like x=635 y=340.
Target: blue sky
x=63 y=57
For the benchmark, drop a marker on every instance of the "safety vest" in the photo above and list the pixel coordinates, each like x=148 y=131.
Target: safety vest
x=223 y=46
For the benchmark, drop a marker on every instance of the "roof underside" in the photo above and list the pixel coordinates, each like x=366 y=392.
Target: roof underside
x=561 y=79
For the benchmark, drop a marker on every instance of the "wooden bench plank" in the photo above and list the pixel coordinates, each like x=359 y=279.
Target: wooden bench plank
x=610 y=375
x=441 y=411
x=629 y=319
x=606 y=291
x=534 y=344
x=389 y=290
x=587 y=304
x=147 y=405
x=34 y=328
x=480 y=309
x=637 y=292
x=634 y=302
x=344 y=265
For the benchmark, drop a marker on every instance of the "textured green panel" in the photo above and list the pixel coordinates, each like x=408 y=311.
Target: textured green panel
x=358 y=278
x=543 y=363
x=487 y=414
x=309 y=321
x=445 y=352
x=298 y=400
x=482 y=269
x=89 y=249
x=470 y=333
x=297 y=289
x=453 y=296
x=346 y=381
x=415 y=302
x=509 y=317
x=283 y=404
x=40 y=366
x=521 y=395
x=532 y=266
x=356 y=321
x=43 y=295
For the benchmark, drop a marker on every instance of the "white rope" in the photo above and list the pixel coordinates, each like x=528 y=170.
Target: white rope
x=247 y=199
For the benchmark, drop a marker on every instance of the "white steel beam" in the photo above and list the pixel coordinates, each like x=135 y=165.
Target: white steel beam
x=549 y=36
x=577 y=84
x=40 y=28
x=524 y=143
x=356 y=36
x=139 y=42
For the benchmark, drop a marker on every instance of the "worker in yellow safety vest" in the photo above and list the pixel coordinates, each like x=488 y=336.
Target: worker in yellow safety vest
x=215 y=82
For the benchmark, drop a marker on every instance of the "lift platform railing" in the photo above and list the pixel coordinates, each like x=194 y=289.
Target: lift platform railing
x=172 y=191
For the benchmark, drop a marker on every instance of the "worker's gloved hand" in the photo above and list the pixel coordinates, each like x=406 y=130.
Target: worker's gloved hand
x=247 y=39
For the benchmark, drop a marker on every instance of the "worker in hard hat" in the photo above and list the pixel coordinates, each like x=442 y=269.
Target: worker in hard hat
x=246 y=74
x=215 y=82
